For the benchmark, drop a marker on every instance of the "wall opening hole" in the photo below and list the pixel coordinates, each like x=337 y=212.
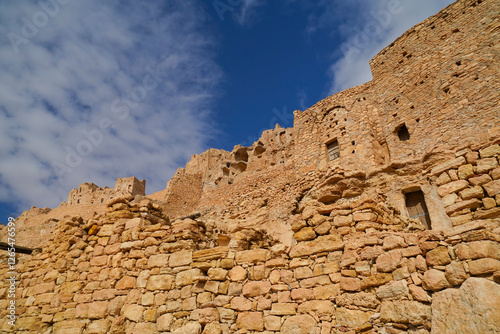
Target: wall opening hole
x=415 y=203
x=458 y=63
x=353 y=142
x=455 y=30
x=403 y=133
x=446 y=90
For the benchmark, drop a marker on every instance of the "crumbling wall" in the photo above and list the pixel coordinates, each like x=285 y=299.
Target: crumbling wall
x=132 y=271
x=89 y=193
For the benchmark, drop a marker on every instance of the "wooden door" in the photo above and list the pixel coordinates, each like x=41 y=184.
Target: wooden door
x=333 y=150
x=415 y=202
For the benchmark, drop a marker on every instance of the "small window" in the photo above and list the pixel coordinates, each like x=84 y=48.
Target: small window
x=333 y=150
x=415 y=203
x=403 y=133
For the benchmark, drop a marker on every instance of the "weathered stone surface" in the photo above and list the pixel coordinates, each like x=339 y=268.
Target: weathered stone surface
x=490 y=151
x=388 y=261
x=350 y=284
x=165 y=322
x=210 y=254
x=405 y=312
x=326 y=243
x=480 y=180
x=361 y=299
x=283 y=308
x=67 y=327
x=486 y=164
x=455 y=273
x=465 y=171
x=452 y=187
x=375 y=280
x=320 y=307
x=299 y=324
x=181 y=258
x=307 y=233
x=435 y=280
x=484 y=266
x=158 y=260
x=127 y=282
x=132 y=312
x=238 y=273
x=438 y=257
x=478 y=249
x=473 y=192
x=351 y=318
x=256 y=288
x=418 y=293
x=208 y=315
x=492 y=188
x=253 y=256
x=473 y=308
x=160 y=282
x=448 y=165
x=393 y=290
x=187 y=277
x=251 y=321
x=190 y=328
x=241 y=304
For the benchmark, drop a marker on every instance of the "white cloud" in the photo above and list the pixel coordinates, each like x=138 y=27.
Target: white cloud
x=148 y=68
x=375 y=25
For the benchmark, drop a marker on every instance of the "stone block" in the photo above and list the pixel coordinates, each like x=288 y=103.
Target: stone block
x=62 y=327
x=455 y=273
x=187 y=277
x=208 y=315
x=241 y=304
x=454 y=163
x=478 y=249
x=480 y=180
x=302 y=294
x=237 y=274
x=320 y=307
x=438 y=257
x=486 y=164
x=350 y=284
x=283 y=309
x=388 y=261
x=364 y=216
x=302 y=272
x=467 y=204
x=326 y=268
x=443 y=178
x=351 y=318
x=256 y=288
x=253 y=321
x=484 y=266
x=473 y=192
x=452 y=187
x=314 y=281
x=490 y=151
x=325 y=243
x=272 y=323
x=299 y=324
x=326 y=291
x=375 y=280
x=253 y=256
x=465 y=171
x=393 y=290
x=158 y=261
x=435 y=280
x=127 y=282
x=180 y=258
x=132 y=312
x=160 y=282
x=210 y=254
x=307 y=233
x=473 y=308
x=339 y=221
x=492 y=188
x=405 y=312
x=419 y=294
x=217 y=274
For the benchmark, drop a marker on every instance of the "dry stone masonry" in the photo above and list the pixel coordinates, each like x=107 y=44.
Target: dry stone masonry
x=377 y=212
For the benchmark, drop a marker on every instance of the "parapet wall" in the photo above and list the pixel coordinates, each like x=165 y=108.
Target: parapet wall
x=362 y=268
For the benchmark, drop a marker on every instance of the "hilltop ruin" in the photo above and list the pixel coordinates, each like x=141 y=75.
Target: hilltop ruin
x=379 y=206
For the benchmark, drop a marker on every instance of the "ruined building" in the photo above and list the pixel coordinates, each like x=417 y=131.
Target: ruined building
x=377 y=212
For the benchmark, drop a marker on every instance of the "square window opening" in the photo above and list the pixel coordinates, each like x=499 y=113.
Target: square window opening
x=333 y=150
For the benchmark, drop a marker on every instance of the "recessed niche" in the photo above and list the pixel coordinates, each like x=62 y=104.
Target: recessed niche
x=403 y=133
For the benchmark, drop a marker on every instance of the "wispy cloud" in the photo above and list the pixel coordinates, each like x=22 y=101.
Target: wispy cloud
x=375 y=25
x=146 y=69
x=247 y=11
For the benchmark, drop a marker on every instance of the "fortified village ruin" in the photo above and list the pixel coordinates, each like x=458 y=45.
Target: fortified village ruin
x=377 y=212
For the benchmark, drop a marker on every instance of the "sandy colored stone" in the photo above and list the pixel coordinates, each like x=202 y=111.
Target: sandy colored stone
x=480 y=180
x=465 y=171
x=492 y=188
x=132 y=312
x=350 y=284
x=208 y=315
x=187 y=277
x=478 y=249
x=452 y=187
x=326 y=243
x=253 y=256
x=299 y=324
x=486 y=164
x=375 y=280
x=160 y=282
x=418 y=293
x=283 y=308
x=484 y=266
x=438 y=257
x=237 y=274
x=256 y=288
x=393 y=290
x=189 y=328
x=406 y=312
x=435 y=280
x=180 y=258
x=127 y=282
x=67 y=327
x=250 y=321
x=388 y=261
x=474 y=308
x=320 y=307
x=455 y=273
x=351 y=318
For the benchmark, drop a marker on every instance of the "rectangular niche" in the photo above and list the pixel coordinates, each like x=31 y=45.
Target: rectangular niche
x=333 y=150
x=415 y=203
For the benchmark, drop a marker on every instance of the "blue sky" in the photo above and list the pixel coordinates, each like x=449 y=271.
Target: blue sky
x=93 y=90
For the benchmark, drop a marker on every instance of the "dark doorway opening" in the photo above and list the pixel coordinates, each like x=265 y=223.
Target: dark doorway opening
x=415 y=203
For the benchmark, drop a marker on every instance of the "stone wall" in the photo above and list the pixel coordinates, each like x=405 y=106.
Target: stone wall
x=132 y=271
x=89 y=193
